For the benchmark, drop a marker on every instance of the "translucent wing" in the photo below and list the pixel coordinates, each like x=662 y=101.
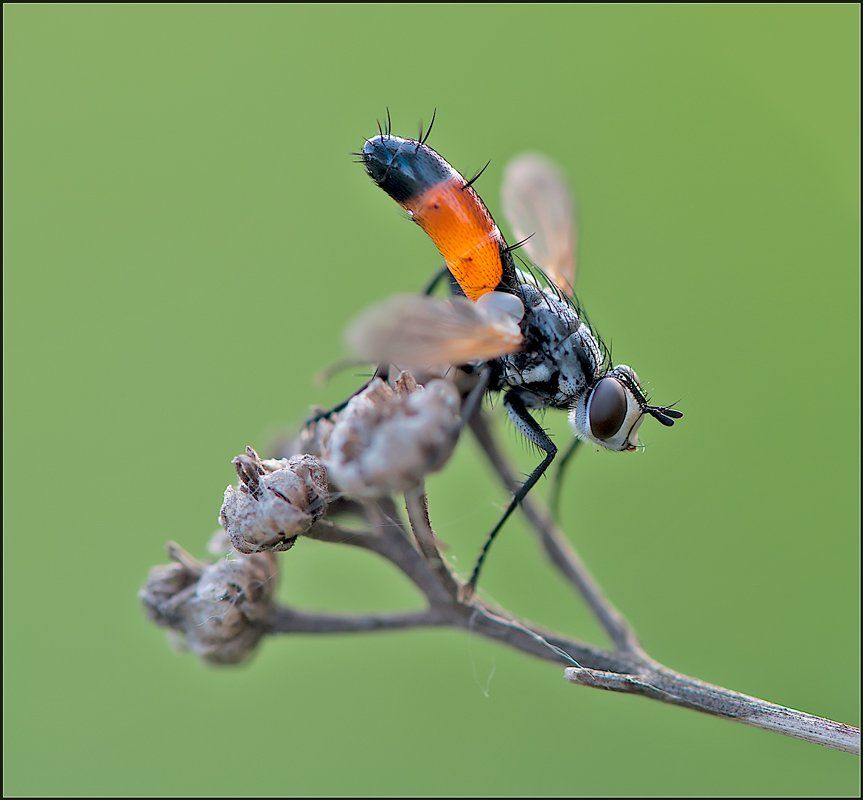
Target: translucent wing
x=538 y=204
x=416 y=331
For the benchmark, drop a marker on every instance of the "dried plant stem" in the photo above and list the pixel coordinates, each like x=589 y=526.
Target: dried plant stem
x=620 y=670
x=416 y=502
x=387 y=440
x=627 y=668
x=390 y=543
x=660 y=683
x=288 y=620
x=646 y=676
x=598 y=668
x=557 y=547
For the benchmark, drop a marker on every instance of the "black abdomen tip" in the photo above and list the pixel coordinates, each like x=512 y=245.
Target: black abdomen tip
x=403 y=168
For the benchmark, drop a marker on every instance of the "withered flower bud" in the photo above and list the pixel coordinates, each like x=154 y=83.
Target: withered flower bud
x=387 y=439
x=219 y=610
x=276 y=500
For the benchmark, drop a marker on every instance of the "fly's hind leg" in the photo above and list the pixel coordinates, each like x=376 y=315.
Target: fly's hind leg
x=529 y=428
x=382 y=370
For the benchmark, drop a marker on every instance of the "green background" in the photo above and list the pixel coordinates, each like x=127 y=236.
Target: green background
x=186 y=238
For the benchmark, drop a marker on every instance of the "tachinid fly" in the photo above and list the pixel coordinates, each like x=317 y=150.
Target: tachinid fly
x=524 y=337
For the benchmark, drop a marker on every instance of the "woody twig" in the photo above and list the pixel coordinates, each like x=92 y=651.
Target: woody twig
x=381 y=446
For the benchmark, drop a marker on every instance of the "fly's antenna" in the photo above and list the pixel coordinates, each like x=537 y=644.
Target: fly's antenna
x=664 y=414
x=476 y=176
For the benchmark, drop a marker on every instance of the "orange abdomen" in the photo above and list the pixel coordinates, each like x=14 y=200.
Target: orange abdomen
x=446 y=207
x=459 y=224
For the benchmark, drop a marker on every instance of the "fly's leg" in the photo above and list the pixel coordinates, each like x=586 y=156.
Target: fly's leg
x=558 y=477
x=383 y=369
x=474 y=396
x=381 y=372
x=528 y=427
x=436 y=279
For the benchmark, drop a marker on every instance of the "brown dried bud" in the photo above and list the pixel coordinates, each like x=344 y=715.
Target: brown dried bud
x=277 y=500
x=387 y=439
x=220 y=610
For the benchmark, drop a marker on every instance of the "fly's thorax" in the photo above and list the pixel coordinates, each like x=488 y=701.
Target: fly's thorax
x=548 y=312
x=611 y=411
x=581 y=362
x=561 y=356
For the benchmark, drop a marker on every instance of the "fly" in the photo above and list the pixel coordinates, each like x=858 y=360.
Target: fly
x=525 y=338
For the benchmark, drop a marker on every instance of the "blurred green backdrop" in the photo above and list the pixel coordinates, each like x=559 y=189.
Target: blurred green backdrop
x=186 y=238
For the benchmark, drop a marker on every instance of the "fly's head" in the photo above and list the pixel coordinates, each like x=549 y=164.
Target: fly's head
x=611 y=411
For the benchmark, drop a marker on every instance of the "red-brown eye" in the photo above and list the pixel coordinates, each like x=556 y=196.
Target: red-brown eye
x=607 y=408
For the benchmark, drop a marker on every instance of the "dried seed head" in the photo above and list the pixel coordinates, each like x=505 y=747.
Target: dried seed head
x=164 y=583
x=220 y=543
x=405 y=383
x=387 y=439
x=225 y=617
x=312 y=439
x=276 y=500
x=220 y=611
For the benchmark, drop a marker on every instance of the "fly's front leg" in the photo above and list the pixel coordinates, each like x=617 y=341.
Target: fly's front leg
x=531 y=430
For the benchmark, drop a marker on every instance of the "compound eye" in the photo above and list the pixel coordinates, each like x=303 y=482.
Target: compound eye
x=607 y=408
